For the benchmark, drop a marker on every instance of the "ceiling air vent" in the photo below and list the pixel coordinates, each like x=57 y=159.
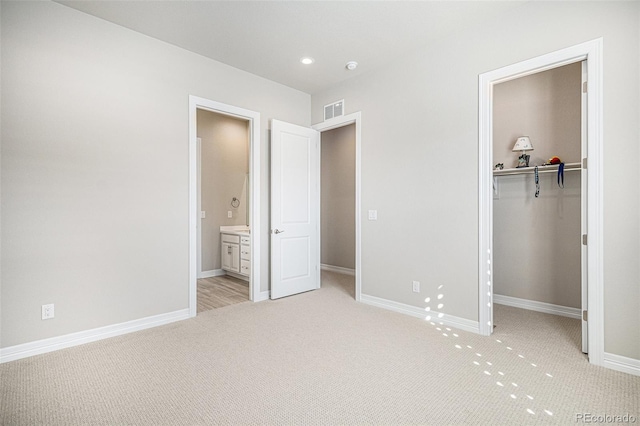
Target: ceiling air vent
x=334 y=109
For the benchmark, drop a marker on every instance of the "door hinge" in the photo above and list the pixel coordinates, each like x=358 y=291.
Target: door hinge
x=584 y=87
x=584 y=163
x=584 y=315
x=584 y=239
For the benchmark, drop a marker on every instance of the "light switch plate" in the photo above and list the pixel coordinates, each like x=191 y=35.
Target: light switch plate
x=373 y=214
x=203 y=214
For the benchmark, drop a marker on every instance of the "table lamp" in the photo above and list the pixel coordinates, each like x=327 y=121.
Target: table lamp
x=523 y=143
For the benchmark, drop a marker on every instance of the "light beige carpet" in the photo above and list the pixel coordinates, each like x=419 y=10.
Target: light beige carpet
x=319 y=358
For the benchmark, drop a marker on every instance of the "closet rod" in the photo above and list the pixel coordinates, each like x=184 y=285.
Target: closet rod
x=541 y=169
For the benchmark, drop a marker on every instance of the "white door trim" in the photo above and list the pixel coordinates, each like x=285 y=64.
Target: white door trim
x=199 y=208
x=253 y=117
x=584 y=189
x=334 y=123
x=592 y=52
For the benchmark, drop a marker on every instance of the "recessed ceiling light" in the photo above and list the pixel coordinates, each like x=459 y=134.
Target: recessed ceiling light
x=351 y=65
x=307 y=60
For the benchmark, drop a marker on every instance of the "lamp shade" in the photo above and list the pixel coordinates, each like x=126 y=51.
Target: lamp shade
x=523 y=143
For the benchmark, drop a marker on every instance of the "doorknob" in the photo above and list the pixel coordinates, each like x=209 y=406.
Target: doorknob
x=277 y=231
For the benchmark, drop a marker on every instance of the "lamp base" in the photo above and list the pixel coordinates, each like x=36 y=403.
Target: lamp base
x=523 y=161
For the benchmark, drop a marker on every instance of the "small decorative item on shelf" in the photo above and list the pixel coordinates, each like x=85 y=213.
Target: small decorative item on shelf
x=523 y=143
x=556 y=160
x=498 y=166
x=553 y=160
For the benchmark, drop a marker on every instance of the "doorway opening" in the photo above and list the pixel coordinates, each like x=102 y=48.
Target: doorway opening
x=223 y=199
x=538 y=219
x=591 y=53
x=337 y=207
x=295 y=206
x=248 y=243
x=340 y=219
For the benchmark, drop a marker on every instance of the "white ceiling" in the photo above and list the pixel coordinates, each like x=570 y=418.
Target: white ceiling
x=268 y=38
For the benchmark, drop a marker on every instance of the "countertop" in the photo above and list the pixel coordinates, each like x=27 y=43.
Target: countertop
x=242 y=230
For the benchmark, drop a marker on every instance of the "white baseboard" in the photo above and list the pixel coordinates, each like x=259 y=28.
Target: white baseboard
x=338 y=269
x=612 y=361
x=211 y=273
x=532 y=305
x=238 y=276
x=263 y=295
x=38 y=347
x=414 y=311
x=622 y=363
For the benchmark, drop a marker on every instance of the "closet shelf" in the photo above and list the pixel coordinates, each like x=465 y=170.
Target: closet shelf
x=541 y=169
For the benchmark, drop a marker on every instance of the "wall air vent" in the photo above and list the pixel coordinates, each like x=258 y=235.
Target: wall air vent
x=334 y=109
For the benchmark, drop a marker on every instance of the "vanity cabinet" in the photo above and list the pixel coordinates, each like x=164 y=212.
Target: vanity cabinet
x=230 y=253
x=245 y=256
x=236 y=254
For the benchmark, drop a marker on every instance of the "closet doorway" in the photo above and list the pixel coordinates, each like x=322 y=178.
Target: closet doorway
x=537 y=218
x=590 y=188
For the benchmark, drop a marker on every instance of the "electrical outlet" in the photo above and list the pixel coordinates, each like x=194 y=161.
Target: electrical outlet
x=203 y=214
x=416 y=286
x=47 y=311
x=229 y=214
x=373 y=214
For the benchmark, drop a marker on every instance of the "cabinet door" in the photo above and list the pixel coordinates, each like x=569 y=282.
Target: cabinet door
x=225 y=254
x=230 y=255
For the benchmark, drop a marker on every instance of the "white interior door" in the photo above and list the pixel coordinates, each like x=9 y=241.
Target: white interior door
x=583 y=209
x=295 y=209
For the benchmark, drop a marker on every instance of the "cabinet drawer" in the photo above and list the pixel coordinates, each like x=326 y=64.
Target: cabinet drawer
x=245 y=240
x=245 y=267
x=245 y=252
x=226 y=238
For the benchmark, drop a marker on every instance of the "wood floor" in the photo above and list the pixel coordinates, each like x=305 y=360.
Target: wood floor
x=216 y=292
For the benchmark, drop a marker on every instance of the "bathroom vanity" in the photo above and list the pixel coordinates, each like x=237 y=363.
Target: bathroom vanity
x=235 y=251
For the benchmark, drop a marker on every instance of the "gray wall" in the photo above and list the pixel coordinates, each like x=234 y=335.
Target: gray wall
x=544 y=106
x=224 y=168
x=95 y=128
x=420 y=156
x=537 y=241
x=338 y=198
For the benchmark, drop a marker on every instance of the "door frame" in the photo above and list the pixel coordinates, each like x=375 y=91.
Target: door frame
x=590 y=51
x=199 y=208
x=334 y=123
x=253 y=117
